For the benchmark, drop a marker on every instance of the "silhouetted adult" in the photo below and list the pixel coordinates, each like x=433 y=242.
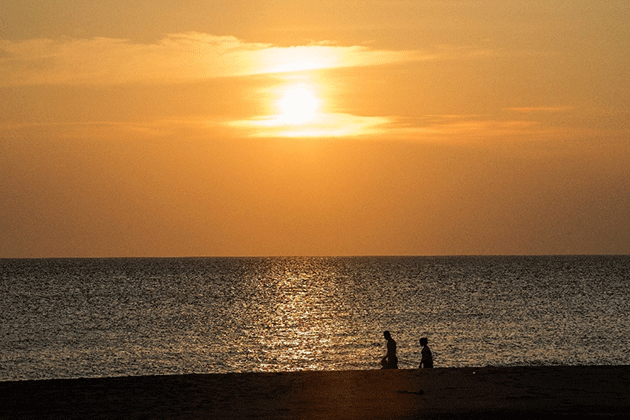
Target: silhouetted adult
x=427 y=356
x=390 y=361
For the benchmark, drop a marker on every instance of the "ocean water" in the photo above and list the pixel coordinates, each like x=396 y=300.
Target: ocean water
x=70 y=318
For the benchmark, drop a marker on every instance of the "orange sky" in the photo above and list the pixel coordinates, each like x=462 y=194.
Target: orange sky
x=314 y=128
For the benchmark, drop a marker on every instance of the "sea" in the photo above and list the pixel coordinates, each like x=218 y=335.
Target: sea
x=85 y=318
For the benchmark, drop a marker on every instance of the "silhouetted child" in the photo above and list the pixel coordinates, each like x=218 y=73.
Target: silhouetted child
x=427 y=357
x=390 y=361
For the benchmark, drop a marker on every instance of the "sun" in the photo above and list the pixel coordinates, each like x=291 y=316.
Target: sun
x=298 y=105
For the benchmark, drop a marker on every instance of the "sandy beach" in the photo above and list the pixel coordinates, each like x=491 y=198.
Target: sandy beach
x=515 y=392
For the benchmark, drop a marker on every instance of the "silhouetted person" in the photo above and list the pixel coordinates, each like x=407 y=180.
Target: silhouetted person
x=390 y=361
x=427 y=357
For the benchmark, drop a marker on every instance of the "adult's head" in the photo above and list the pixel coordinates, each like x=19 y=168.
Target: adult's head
x=424 y=341
x=387 y=335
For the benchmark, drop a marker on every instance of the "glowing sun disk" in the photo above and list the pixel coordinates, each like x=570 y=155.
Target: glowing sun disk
x=298 y=105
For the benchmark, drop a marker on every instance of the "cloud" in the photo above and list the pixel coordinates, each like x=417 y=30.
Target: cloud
x=472 y=128
x=540 y=109
x=430 y=128
x=176 y=58
x=322 y=125
x=94 y=130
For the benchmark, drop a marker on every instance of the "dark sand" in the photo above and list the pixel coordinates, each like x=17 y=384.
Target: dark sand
x=518 y=392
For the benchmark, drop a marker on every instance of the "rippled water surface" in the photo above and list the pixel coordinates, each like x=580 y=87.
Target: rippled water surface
x=67 y=318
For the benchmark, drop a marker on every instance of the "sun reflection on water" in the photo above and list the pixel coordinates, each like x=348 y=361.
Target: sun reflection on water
x=300 y=320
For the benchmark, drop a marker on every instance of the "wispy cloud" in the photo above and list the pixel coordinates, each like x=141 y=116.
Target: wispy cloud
x=464 y=128
x=540 y=109
x=474 y=128
x=321 y=125
x=430 y=128
x=175 y=58
x=97 y=130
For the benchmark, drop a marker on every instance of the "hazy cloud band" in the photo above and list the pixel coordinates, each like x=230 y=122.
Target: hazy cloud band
x=176 y=58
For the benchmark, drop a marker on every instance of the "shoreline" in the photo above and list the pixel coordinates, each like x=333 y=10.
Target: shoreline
x=440 y=393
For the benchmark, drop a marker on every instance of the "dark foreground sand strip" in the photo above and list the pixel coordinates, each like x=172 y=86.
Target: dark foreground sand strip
x=518 y=392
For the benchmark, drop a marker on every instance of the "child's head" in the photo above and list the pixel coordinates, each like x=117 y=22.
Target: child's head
x=424 y=341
